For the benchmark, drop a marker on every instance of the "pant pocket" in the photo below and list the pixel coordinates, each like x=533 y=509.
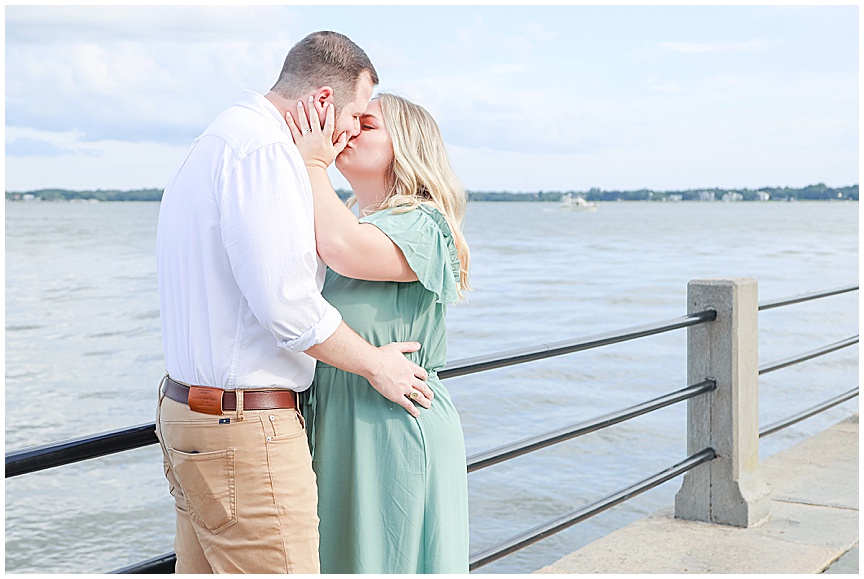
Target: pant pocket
x=284 y=425
x=207 y=482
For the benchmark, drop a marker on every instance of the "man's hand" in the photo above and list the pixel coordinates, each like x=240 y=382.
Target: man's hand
x=314 y=141
x=386 y=368
x=400 y=380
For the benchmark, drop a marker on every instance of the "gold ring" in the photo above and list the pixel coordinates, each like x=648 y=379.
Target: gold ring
x=413 y=395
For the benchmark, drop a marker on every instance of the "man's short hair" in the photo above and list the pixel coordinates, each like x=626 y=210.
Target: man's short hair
x=324 y=59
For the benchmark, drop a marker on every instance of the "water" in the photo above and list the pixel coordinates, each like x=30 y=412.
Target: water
x=83 y=355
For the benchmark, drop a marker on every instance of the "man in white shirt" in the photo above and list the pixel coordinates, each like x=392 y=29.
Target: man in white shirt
x=243 y=321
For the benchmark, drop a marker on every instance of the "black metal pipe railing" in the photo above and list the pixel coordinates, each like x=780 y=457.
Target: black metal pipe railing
x=772 y=366
x=812 y=411
x=503 y=453
x=538 y=533
x=806 y=297
x=162 y=565
x=58 y=454
x=165 y=563
x=70 y=451
x=66 y=452
x=522 y=355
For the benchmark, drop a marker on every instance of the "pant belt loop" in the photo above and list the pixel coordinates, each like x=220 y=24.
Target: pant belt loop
x=161 y=394
x=158 y=424
x=239 y=395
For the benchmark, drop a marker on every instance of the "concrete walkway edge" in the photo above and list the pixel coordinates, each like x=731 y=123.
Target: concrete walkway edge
x=813 y=522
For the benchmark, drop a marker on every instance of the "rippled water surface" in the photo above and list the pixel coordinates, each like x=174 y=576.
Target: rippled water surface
x=83 y=355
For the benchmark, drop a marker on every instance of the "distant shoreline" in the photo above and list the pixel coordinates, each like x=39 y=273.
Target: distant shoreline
x=818 y=192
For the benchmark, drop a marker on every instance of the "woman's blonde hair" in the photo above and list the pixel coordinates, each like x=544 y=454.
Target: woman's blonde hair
x=421 y=172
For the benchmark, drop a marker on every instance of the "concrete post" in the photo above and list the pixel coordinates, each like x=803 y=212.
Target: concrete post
x=729 y=490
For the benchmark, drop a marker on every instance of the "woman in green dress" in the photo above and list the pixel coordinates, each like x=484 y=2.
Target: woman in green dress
x=392 y=488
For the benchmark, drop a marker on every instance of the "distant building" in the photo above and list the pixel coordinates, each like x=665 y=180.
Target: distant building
x=706 y=195
x=732 y=196
x=763 y=195
x=674 y=197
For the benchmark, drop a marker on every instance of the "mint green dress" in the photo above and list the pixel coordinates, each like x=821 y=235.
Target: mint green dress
x=392 y=489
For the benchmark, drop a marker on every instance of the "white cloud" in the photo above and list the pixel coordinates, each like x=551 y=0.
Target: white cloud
x=185 y=24
x=539 y=32
x=753 y=45
x=384 y=58
x=518 y=93
x=478 y=40
x=670 y=87
x=131 y=90
x=114 y=165
x=20 y=140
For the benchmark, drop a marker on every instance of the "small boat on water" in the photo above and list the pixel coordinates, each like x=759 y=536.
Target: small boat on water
x=576 y=203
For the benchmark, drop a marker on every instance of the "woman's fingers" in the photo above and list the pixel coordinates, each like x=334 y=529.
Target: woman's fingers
x=302 y=117
x=329 y=119
x=309 y=121
x=315 y=144
x=292 y=126
x=340 y=143
x=314 y=119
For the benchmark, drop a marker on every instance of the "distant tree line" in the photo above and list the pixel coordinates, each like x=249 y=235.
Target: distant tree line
x=99 y=195
x=811 y=192
x=104 y=195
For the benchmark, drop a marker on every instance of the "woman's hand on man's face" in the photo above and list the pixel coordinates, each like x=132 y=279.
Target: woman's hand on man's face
x=314 y=141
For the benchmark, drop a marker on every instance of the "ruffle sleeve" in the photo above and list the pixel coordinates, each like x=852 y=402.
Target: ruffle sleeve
x=426 y=240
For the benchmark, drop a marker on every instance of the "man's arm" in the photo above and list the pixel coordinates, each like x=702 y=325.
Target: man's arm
x=386 y=368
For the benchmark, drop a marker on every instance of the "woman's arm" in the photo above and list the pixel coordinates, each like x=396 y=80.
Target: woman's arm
x=350 y=248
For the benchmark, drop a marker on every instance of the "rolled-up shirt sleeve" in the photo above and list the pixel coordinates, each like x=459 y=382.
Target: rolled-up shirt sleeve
x=267 y=227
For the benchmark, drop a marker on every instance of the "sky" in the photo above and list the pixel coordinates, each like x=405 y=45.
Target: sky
x=528 y=98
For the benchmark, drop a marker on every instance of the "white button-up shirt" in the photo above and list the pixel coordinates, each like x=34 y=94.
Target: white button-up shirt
x=239 y=276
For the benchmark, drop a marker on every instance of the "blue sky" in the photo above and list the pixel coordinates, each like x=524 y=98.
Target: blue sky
x=528 y=98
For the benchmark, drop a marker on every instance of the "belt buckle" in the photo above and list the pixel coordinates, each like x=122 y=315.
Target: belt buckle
x=206 y=400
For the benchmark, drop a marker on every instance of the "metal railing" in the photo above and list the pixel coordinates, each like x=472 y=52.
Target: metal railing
x=70 y=451
x=792 y=360
x=500 y=454
x=806 y=297
x=58 y=454
x=540 y=532
x=813 y=411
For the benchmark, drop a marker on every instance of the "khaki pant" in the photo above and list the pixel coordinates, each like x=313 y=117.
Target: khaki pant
x=243 y=488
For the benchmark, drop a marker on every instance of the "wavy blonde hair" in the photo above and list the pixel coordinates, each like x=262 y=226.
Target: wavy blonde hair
x=421 y=172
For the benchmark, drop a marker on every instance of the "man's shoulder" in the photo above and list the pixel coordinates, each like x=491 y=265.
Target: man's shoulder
x=247 y=126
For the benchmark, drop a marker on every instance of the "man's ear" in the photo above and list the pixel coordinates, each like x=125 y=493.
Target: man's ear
x=323 y=97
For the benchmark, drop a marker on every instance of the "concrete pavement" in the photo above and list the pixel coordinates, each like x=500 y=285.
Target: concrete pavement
x=813 y=523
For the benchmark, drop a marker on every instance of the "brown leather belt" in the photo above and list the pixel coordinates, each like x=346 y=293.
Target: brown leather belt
x=214 y=401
